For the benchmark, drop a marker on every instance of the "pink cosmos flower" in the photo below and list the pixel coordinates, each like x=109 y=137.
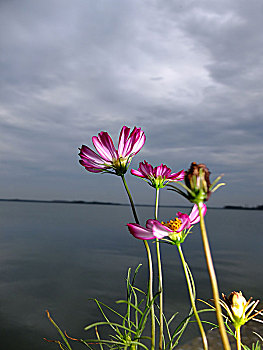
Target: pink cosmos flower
x=159 y=176
x=109 y=159
x=172 y=229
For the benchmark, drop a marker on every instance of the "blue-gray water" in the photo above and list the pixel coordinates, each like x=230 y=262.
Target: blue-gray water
x=57 y=256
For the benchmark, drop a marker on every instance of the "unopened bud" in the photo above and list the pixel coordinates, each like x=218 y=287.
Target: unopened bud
x=198 y=181
x=237 y=304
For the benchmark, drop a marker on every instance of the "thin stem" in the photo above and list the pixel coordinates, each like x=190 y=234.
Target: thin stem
x=150 y=266
x=238 y=337
x=160 y=275
x=157 y=193
x=151 y=293
x=59 y=330
x=213 y=281
x=98 y=336
x=192 y=296
x=130 y=199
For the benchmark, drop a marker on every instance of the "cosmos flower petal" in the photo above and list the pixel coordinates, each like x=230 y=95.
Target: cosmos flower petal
x=104 y=146
x=130 y=145
x=150 y=223
x=146 y=169
x=194 y=215
x=159 y=231
x=87 y=153
x=140 y=232
x=137 y=173
x=92 y=161
x=185 y=221
x=138 y=139
x=166 y=172
x=92 y=169
x=177 y=176
x=160 y=170
x=124 y=134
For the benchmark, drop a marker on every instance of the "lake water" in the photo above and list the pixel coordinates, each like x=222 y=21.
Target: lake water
x=57 y=256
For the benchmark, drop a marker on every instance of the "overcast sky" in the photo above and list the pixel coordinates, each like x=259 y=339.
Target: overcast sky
x=190 y=73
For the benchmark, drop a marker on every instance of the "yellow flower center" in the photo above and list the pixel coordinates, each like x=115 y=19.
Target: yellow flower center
x=120 y=162
x=173 y=224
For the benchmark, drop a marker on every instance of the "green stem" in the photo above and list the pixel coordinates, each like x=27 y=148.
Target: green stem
x=192 y=296
x=157 y=203
x=160 y=275
x=213 y=281
x=238 y=337
x=150 y=266
x=130 y=199
x=151 y=294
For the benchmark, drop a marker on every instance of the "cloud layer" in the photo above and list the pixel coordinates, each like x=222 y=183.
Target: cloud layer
x=190 y=73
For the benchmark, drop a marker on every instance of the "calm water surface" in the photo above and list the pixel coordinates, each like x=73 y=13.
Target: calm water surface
x=58 y=256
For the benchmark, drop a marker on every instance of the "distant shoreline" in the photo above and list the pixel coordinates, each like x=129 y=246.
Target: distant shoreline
x=258 y=207
x=238 y=207
x=84 y=202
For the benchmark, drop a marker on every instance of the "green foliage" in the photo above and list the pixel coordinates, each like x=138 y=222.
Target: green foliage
x=128 y=331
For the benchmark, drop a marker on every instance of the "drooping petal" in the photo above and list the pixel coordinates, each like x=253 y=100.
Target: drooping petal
x=87 y=153
x=140 y=232
x=89 y=163
x=92 y=161
x=92 y=169
x=137 y=173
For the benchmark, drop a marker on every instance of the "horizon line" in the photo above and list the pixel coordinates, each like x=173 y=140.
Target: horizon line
x=64 y=201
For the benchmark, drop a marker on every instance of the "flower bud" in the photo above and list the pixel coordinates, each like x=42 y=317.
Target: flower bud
x=198 y=181
x=237 y=304
x=238 y=309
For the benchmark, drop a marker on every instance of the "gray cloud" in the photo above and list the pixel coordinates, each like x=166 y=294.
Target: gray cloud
x=189 y=73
